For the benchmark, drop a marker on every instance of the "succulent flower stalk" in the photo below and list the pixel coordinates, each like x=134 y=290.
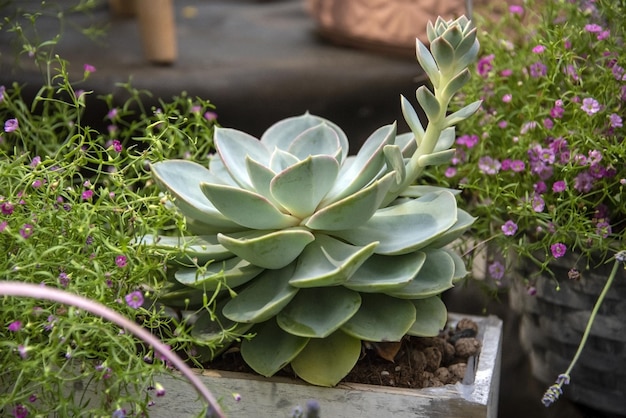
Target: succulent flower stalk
x=322 y=250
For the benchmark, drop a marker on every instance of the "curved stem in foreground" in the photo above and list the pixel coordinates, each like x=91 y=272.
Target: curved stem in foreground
x=12 y=288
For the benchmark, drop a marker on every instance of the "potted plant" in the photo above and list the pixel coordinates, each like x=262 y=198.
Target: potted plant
x=79 y=211
x=542 y=167
x=317 y=252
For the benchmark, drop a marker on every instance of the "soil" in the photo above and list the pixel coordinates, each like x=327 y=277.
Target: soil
x=414 y=362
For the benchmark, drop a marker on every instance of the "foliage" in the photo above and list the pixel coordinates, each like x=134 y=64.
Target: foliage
x=314 y=250
x=73 y=199
x=542 y=163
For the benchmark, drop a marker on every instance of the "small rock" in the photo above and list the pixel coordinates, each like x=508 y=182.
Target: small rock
x=466 y=323
x=467 y=347
x=458 y=370
x=433 y=358
x=443 y=374
x=418 y=360
x=448 y=352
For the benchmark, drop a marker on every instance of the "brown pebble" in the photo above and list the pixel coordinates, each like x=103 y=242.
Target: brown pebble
x=419 y=361
x=458 y=369
x=466 y=347
x=448 y=352
x=466 y=323
x=433 y=358
x=443 y=374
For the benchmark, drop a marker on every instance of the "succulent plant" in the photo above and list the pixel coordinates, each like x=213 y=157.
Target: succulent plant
x=317 y=250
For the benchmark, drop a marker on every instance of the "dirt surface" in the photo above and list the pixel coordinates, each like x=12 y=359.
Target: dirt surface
x=414 y=362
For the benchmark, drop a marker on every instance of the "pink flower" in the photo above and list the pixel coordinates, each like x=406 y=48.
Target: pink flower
x=507 y=98
x=3 y=225
x=484 y=65
x=489 y=165
x=7 y=208
x=26 y=231
x=593 y=28
x=509 y=228
x=559 y=186
x=121 y=261
x=210 y=115
x=15 y=326
x=538 y=203
x=496 y=270
x=87 y=194
x=539 y=49
x=558 y=250
x=516 y=10
x=88 y=68
x=117 y=146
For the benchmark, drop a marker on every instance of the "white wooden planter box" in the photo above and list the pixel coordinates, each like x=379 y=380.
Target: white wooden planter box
x=277 y=397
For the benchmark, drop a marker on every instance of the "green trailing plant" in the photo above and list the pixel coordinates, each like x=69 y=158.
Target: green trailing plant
x=314 y=251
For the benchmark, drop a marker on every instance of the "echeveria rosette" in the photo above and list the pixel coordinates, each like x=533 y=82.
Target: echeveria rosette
x=325 y=250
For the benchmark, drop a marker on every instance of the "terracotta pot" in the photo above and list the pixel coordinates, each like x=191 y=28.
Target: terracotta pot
x=552 y=324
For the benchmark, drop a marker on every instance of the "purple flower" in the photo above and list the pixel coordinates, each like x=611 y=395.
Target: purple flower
x=539 y=49
x=450 y=172
x=20 y=411
x=7 y=208
x=509 y=228
x=11 y=125
x=496 y=270
x=590 y=106
x=23 y=352
x=484 y=65
x=134 y=299
x=35 y=161
x=540 y=187
x=603 y=228
x=15 y=326
x=112 y=113
x=507 y=98
x=593 y=28
x=26 y=231
x=615 y=120
x=559 y=186
x=159 y=390
x=64 y=279
x=210 y=115
x=518 y=166
x=87 y=194
x=88 y=68
x=121 y=261
x=538 y=69
x=558 y=250
x=583 y=182
x=557 y=112
x=117 y=146
x=468 y=140
x=538 y=203
x=531 y=291
x=489 y=165
x=3 y=225
x=516 y=10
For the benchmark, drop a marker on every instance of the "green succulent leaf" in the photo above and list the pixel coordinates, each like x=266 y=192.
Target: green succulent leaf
x=353 y=210
x=407 y=226
x=411 y=118
x=268 y=249
x=443 y=53
x=181 y=178
x=232 y=272
x=329 y=262
x=433 y=278
x=199 y=248
x=463 y=222
x=301 y=187
x=261 y=176
x=436 y=158
x=457 y=82
x=381 y=318
x=462 y=114
x=422 y=190
x=395 y=162
x=324 y=362
x=318 y=312
x=459 y=266
x=271 y=348
x=407 y=144
x=382 y=273
x=428 y=101
x=318 y=140
x=247 y=208
x=427 y=62
x=282 y=133
x=446 y=139
x=281 y=160
x=359 y=170
x=234 y=147
x=430 y=317
x=262 y=299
